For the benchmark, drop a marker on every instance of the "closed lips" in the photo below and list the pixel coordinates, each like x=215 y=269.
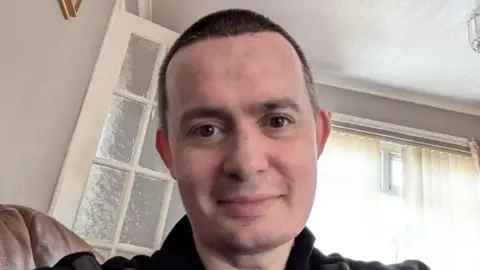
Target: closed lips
x=242 y=200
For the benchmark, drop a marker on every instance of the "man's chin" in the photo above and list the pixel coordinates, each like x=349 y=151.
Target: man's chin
x=238 y=223
x=251 y=234
x=248 y=240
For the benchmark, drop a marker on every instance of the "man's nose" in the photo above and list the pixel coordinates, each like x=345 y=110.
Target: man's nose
x=246 y=157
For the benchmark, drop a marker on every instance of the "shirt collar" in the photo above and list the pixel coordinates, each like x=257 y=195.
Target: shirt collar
x=179 y=252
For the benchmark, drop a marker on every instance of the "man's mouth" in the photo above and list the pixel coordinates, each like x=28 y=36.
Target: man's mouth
x=248 y=206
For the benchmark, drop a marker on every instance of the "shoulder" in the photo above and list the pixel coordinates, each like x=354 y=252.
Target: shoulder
x=138 y=262
x=406 y=265
x=87 y=261
x=319 y=261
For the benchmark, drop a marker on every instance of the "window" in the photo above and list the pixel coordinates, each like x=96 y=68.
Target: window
x=392 y=168
x=387 y=202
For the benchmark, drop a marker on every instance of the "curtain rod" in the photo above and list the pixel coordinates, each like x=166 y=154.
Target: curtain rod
x=400 y=134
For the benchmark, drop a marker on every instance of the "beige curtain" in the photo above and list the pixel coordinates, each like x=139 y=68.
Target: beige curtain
x=436 y=218
x=442 y=199
x=345 y=214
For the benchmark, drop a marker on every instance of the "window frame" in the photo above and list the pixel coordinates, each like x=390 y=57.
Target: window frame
x=389 y=152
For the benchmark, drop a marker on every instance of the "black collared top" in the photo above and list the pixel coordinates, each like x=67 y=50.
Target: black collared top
x=178 y=252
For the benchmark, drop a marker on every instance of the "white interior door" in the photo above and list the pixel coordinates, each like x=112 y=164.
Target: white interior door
x=114 y=190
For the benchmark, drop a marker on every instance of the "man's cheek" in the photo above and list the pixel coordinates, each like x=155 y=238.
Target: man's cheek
x=193 y=176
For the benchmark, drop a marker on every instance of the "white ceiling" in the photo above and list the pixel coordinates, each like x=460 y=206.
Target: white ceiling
x=413 y=50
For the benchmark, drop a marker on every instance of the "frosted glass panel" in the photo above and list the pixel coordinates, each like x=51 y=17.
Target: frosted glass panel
x=143 y=213
x=149 y=157
x=138 y=65
x=120 y=130
x=175 y=211
x=100 y=204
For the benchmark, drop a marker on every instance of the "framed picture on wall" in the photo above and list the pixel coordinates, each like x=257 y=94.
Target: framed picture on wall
x=69 y=8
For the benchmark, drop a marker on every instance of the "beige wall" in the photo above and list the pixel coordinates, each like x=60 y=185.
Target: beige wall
x=45 y=67
x=398 y=112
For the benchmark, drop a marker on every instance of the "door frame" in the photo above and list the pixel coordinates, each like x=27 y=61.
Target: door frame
x=75 y=171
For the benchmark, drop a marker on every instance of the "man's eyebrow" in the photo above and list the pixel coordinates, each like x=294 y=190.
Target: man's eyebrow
x=254 y=109
x=202 y=112
x=272 y=105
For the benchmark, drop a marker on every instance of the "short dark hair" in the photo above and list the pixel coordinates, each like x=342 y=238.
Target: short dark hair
x=226 y=23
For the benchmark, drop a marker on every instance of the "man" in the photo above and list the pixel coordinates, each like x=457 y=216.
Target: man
x=241 y=134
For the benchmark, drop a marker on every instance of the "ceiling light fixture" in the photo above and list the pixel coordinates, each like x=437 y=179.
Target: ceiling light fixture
x=474 y=30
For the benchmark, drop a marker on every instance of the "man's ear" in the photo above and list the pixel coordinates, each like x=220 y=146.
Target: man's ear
x=164 y=150
x=322 y=122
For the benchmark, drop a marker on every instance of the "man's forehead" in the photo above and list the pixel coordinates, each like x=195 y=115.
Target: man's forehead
x=198 y=56
x=229 y=71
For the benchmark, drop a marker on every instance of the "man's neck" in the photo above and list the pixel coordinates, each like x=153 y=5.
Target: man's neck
x=275 y=259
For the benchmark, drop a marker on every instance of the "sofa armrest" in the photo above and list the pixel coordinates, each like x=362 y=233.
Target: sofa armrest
x=49 y=240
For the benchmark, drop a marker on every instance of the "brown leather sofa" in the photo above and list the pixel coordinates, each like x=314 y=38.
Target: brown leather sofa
x=30 y=239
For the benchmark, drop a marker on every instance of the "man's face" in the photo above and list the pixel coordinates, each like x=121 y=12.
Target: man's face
x=243 y=140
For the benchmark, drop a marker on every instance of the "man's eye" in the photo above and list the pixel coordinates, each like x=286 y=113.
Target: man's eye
x=206 y=130
x=278 y=121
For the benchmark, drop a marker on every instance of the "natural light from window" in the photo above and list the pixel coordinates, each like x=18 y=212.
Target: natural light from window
x=397 y=171
x=381 y=201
